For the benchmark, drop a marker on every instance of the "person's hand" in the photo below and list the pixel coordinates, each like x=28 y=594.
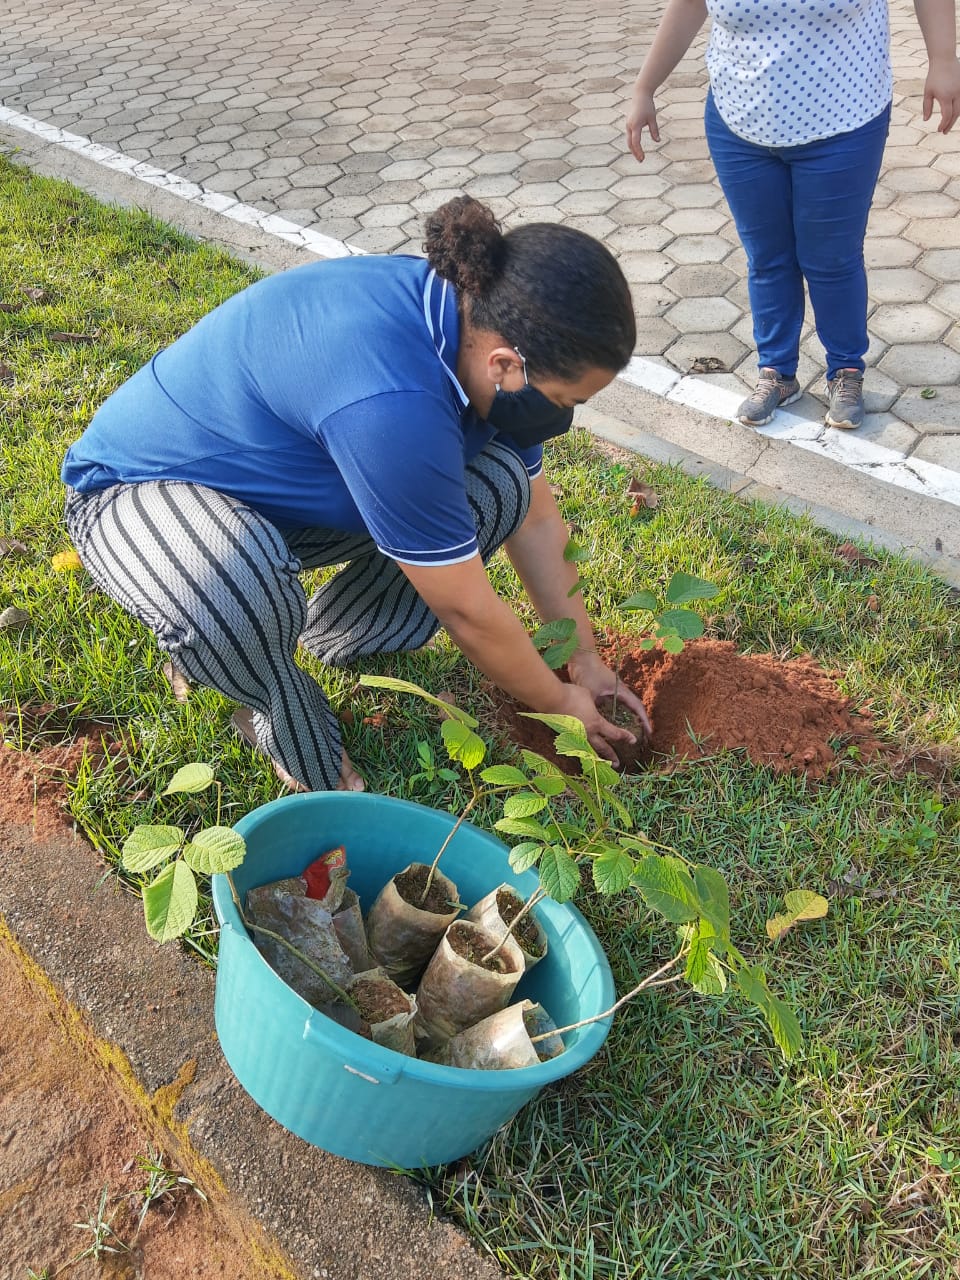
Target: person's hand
x=642 y=115
x=580 y=701
x=943 y=87
x=590 y=672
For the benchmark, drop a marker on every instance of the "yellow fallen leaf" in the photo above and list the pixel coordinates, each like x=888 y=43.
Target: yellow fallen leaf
x=66 y=562
x=802 y=904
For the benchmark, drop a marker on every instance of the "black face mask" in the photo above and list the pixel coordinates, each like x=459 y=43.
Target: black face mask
x=528 y=417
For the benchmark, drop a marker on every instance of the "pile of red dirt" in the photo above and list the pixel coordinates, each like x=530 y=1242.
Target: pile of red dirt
x=789 y=715
x=31 y=781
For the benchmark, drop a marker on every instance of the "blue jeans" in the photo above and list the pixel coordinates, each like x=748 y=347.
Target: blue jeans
x=801 y=213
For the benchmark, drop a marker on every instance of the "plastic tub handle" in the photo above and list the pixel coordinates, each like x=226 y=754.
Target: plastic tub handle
x=382 y=1071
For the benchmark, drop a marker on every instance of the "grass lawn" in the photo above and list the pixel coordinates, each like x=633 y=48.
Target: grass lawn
x=687 y=1148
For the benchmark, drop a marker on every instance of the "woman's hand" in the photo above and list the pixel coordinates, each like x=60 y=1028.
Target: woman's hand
x=943 y=87
x=592 y=680
x=642 y=115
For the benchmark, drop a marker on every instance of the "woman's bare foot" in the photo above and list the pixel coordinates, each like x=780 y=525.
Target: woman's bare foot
x=350 y=780
x=242 y=721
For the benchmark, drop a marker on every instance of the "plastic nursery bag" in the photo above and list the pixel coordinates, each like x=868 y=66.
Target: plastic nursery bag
x=402 y=934
x=503 y=1041
x=284 y=908
x=387 y=1009
x=457 y=990
x=495 y=913
x=348 y=923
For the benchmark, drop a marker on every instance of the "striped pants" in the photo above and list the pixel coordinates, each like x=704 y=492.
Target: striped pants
x=219 y=587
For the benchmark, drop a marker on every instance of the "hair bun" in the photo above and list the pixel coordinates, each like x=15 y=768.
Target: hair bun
x=464 y=244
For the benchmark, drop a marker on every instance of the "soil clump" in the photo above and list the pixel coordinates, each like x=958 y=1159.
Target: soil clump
x=789 y=715
x=410 y=885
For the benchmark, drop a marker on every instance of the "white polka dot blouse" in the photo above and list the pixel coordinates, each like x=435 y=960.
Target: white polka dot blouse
x=783 y=74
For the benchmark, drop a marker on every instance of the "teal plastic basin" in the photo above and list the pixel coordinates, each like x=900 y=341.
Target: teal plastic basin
x=332 y=1087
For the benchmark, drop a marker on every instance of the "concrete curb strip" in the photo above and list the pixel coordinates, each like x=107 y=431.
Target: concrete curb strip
x=331 y=1218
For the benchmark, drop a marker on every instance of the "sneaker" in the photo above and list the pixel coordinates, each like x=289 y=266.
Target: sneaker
x=772 y=393
x=845 y=409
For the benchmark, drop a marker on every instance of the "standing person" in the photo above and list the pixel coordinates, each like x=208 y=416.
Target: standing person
x=796 y=120
x=382 y=412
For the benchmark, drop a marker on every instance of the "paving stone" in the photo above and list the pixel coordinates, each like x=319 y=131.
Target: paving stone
x=650 y=268
x=926 y=364
x=937 y=415
x=943 y=450
x=704 y=315
x=639 y=187
x=718 y=345
x=886 y=222
x=947 y=300
x=888 y=430
x=654 y=335
x=697 y=221
x=941 y=264
x=887 y=251
x=703 y=280
x=587 y=202
x=927 y=204
x=909 y=322
x=694 y=249
x=694 y=195
x=935 y=233
x=900 y=284
x=879 y=391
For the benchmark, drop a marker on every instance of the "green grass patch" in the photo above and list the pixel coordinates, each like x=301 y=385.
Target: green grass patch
x=686 y=1148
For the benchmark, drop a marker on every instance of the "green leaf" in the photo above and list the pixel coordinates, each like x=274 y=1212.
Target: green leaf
x=575 y=589
x=684 y=587
x=802 y=904
x=714 y=900
x=714 y=979
x=646 y=643
x=550 y=632
x=612 y=870
x=667 y=887
x=698 y=959
x=680 y=622
x=558 y=655
x=548 y=786
x=619 y=808
x=570 y=744
x=215 y=849
x=146 y=847
x=600 y=771
x=542 y=765
x=642 y=600
x=784 y=1025
x=191 y=778
x=672 y=644
x=521 y=827
x=523 y=805
x=559 y=874
x=170 y=902
x=587 y=798
x=524 y=856
x=559 y=724
x=504 y=775
x=407 y=686
x=752 y=982
x=462 y=743
x=573 y=553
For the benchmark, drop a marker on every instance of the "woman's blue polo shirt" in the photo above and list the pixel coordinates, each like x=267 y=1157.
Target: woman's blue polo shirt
x=325 y=396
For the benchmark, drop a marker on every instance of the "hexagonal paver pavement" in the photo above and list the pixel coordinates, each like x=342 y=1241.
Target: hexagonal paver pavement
x=355 y=122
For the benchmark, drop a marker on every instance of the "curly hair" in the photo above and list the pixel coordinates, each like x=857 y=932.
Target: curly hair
x=554 y=293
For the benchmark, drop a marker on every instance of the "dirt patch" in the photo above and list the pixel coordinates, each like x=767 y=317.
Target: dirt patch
x=31 y=782
x=65 y=1133
x=788 y=715
x=410 y=885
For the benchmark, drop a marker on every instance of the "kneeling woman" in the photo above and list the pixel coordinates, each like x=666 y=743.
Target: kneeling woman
x=383 y=413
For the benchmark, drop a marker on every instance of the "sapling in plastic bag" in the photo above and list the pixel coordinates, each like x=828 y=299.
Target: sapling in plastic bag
x=497 y=911
x=502 y=1042
x=387 y=1009
x=403 y=929
x=463 y=983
